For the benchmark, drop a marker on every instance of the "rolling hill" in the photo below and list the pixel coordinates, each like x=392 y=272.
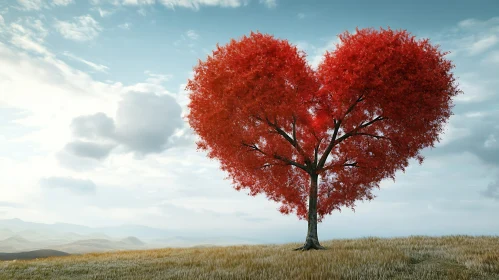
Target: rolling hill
x=31 y=255
x=17 y=243
x=100 y=245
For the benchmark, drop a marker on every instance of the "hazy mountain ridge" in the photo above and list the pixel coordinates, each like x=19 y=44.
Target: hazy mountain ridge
x=18 y=236
x=6 y=233
x=18 y=244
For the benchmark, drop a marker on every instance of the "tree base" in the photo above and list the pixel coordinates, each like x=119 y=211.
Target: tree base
x=310 y=245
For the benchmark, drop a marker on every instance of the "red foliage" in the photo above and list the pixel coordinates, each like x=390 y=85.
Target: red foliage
x=272 y=121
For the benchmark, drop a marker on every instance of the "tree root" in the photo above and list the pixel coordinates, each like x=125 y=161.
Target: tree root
x=310 y=246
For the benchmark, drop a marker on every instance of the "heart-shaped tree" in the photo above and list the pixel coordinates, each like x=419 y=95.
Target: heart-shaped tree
x=329 y=135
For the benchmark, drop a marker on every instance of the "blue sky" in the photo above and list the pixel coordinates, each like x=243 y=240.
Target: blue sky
x=72 y=71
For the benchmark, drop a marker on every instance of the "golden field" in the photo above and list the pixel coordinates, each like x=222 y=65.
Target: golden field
x=415 y=257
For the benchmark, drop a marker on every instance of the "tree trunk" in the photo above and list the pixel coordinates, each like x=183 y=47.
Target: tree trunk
x=312 y=240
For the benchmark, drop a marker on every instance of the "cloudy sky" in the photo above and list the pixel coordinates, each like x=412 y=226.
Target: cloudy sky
x=92 y=102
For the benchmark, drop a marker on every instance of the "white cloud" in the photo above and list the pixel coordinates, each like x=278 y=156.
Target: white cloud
x=144 y=124
x=492 y=190
x=57 y=93
x=475 y=115
x=474 y=23
x=195 y=4
x=142 y=12
x=304 y=46
x=138 y=2
x=187 y=39
x=474 y=91
x=78 y=186
x=103 y=13
x=491 y=142
x=82 y=28
x=319 y=53
x=157 y=79
x=192 y=35
x=315 y=54
x=112 y=2
x=95 y=66
x=31 y=4
x=269 y=3
x=483 y=44
x=493 y=57
x=467 y=23
x=470 y=36
x=2 y=21
x=452 y=133
x=37 y=26
x=26 y=43
x=191 y=4
x=153 y=83
x=125 y=26
x=28 y=34
x=62 y=2
x=73 y=93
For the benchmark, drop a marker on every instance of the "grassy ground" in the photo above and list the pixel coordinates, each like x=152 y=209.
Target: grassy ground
x=450 y=257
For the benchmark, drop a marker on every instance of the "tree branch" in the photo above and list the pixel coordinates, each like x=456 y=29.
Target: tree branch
x=291 y=162
x=294 y=129
x=372 y=135
x=316 y=153
x=253 y=147
x=337 y=124
x=350 y=109
x=269 y=165
x=293 y=140
x=281 y=132
x=353 y=164
x=354 y=131
x=378 y=118
x=329 y=148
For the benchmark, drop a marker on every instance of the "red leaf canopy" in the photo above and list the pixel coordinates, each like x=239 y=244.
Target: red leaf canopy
x=271 y=120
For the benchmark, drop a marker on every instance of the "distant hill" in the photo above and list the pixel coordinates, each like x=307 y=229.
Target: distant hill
x=16 y=239
x=142 y=232
x=35 y=235
x=32 y=255
x=72 y=236
x=72 y=243
x=100 y=245
x=16 y=243
x=19 y=236
x=6 y=233
x=134 y=241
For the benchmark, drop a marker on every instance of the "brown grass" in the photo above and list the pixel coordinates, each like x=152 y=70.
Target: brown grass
x=417 y=257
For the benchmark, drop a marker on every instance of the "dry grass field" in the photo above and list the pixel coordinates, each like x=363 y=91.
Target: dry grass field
x=416 y=257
